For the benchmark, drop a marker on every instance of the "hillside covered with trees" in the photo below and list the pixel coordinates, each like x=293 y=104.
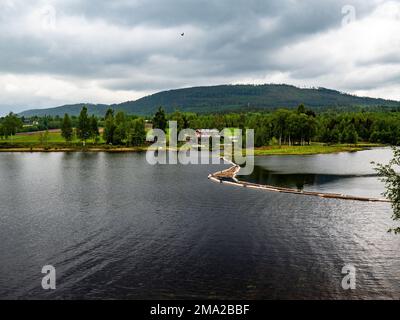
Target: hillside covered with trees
x=227 y=98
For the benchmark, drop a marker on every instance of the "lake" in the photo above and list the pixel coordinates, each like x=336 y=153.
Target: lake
x=114 y=226
x=347 y=172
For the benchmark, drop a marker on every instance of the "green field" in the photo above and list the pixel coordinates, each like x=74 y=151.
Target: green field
x=311 y=149
x=35 y=142
x=53 y=141
x=35 y=138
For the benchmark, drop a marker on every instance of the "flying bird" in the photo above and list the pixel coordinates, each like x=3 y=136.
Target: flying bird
x=182 y=34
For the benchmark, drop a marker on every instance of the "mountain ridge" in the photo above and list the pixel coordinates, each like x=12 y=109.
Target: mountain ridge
x=225 y=98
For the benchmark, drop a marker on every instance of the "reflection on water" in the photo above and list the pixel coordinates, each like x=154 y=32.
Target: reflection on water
x=299 y=181
x=347 y=173
x=116 y=227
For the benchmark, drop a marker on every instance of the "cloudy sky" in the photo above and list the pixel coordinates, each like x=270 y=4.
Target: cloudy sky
x=55 y=52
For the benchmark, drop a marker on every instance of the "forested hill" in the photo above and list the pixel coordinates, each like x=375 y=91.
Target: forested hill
x=228 y=98
x=71 y=109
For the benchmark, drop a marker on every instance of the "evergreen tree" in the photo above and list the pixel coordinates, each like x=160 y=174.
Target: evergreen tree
x=121 y=128
x=138 y=132
x=83 y=125
x=301 y=109
x=120 y=118
x=110 y=112
x=120 y=135
x=180 y=119
x=160 y=120
x=109 y=127
x=94 y=128
x=350 y=134
x=66 y=128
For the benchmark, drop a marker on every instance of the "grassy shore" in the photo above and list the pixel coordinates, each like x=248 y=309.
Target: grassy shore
x=31 y=142
x=311 y=149
x=58 y=148
x=265 y=151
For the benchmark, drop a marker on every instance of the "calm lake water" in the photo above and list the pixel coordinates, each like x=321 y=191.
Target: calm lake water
x=349 y=173
x=116 y=227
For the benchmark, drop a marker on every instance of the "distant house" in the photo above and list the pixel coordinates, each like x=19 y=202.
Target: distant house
x=27 y=123
x=207 y=133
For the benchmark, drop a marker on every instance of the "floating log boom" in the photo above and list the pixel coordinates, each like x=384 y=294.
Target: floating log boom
x=228 y=176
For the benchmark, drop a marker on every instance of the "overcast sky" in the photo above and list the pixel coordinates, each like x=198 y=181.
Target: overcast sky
x=54 y=52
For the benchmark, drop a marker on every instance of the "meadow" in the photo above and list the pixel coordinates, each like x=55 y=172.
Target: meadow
x=316 y=148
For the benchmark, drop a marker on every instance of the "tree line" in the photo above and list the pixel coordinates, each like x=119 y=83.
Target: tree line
x=300 y=126
x=118 y=129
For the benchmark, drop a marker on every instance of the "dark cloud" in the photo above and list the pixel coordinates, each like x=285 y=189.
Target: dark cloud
x=135 y=45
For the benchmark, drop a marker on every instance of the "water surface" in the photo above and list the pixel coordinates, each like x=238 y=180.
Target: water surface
x=345 y=172
x=116 y=227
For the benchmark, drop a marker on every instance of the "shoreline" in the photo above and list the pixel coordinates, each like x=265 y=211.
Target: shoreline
x=229 y=175
x=264 y=151
x=313 y=149
x=27 y=150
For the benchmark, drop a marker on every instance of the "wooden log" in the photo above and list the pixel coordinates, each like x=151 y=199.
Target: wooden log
x=232 y=172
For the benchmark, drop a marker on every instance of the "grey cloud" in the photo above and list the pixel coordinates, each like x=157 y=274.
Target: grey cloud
x=385 y=58
x=212 y=14
x=224 y=40
x=231 y=28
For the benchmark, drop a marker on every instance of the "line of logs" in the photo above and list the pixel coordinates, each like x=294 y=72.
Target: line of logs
x=228 y=176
